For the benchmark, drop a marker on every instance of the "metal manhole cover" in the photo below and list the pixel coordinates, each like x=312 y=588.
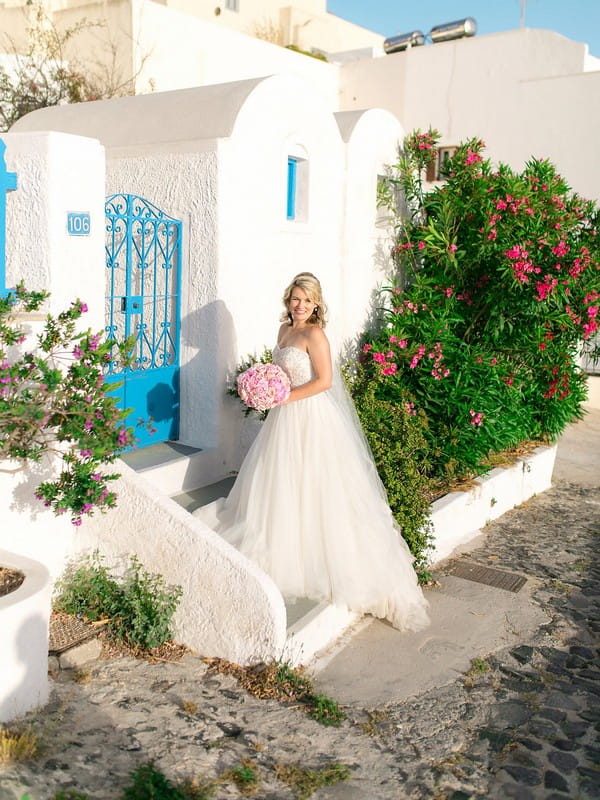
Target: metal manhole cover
x=491 y=577
x=66 y=632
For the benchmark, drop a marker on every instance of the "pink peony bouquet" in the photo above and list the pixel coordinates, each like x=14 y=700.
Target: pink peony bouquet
x=263 y=386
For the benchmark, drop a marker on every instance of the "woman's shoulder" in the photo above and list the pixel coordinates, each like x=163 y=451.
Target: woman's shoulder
x=316 y=336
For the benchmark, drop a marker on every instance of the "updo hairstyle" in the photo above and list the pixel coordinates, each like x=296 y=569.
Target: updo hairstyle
x=312 y=287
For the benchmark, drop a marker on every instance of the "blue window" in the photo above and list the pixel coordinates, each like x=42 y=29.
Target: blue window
x=8 y=183
x=292 y=179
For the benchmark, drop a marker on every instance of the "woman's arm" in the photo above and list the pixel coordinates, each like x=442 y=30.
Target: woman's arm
x=320 y=356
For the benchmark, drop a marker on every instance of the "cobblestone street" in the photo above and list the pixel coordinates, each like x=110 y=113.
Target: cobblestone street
x=522 y=723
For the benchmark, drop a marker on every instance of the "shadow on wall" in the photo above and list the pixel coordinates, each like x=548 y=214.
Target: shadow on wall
x=206 y=419
x=31 y=649
x=162 y=405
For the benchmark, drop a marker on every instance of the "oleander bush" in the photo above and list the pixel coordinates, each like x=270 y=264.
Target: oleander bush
x=495 y=289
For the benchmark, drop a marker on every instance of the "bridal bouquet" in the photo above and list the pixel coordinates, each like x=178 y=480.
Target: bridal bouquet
x=263 y=386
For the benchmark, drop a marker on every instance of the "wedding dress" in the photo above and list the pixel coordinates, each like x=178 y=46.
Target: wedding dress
x=309 y=508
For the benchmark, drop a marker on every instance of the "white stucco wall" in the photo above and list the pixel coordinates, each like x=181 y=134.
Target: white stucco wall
x=184 y=51
x=498 y=88
x=229 y=607
x=371 y=141
x=56 y=174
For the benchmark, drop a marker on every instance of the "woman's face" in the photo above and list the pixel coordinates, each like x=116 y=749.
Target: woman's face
x=300 y=306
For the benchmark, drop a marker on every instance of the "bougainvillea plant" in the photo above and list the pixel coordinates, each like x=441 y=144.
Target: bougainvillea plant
x=54 y=401
x=496 y=289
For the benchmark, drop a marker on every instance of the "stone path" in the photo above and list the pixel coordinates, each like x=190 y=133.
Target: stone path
x=522 y=723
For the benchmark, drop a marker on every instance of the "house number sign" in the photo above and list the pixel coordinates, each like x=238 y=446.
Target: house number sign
x=78 y=224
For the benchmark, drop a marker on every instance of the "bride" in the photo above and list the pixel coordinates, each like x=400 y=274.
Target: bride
x=308 y=505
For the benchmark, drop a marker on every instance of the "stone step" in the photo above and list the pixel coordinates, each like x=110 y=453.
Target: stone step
x=311 y=625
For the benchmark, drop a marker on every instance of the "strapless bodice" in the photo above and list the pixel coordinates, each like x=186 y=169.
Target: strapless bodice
x=295 y=362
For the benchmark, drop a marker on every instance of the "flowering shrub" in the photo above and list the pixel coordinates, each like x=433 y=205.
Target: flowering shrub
x=496 y=288
x=53 y=400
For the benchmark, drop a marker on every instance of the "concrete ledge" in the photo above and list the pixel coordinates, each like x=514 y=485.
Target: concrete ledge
x=459 y=516
x=315 y=630
x=24 y=619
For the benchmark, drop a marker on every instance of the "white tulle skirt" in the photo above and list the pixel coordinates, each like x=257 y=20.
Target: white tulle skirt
x=308 y=507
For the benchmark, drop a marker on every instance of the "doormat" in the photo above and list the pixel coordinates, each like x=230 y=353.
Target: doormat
x=66 y=632
x=490 y=577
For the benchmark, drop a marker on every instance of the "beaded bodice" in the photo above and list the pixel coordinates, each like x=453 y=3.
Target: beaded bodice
x=295 y=362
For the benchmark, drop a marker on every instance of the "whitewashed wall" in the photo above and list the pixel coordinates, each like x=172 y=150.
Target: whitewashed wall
x=371 y=142
x=56 y=174
x=525 y=93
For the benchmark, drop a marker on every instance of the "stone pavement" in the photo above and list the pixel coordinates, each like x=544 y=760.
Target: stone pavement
x=519 y=719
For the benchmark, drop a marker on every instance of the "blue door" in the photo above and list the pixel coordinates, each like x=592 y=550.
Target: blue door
x=143 y=271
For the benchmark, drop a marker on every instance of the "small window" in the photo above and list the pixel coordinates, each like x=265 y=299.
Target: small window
x=297 y=189
x=292 y=174
x=232 y=5
x=436 y=170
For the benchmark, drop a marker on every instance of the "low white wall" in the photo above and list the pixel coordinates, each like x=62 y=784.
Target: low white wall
x=459 y=516
x=229 y=607
x=24 y=617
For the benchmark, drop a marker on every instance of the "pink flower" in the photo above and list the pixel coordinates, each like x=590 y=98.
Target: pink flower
x=76 y=521
x=476 y=417
x=472 y=158
x=379 y=358
x=561 y=249
x=263 y=386
x=391 y=369
x=410 y=409
x=77 y=351
x=393 y=339
x=453 y=248
x=592 y=311
x=122 y=437
x=367 y=347
x=421 y=245
x=402 y=343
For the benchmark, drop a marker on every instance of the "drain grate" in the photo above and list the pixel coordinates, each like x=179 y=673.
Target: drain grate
x=491 y=577
x=66 y=632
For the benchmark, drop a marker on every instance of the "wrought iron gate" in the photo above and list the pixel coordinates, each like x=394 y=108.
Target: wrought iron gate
x=143 y=271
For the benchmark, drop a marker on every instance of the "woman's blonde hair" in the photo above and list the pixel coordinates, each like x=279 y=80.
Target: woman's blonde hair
x=312 y=287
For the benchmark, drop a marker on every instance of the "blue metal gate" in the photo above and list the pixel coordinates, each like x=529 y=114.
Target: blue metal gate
x=143 y=270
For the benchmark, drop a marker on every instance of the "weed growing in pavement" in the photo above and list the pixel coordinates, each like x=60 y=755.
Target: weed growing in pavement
x=17 y=745
x=280 y=681
x=303 y=781
x=245 y=777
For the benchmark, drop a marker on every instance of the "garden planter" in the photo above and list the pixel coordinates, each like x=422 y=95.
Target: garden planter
x=24 y=618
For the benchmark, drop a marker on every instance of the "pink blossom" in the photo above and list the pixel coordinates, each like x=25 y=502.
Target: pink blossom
x=393 y=339
x=453 y=248
x=421 y=245
x=472 y=158
x=561 y=249
x=86 y=453
x=391 y=369
x=592 y=311
x=367 y=347
x=77 y=351
x=476 y=417
x=76 y=521
x=123 y=437
x=402 y=343
x=379 y=358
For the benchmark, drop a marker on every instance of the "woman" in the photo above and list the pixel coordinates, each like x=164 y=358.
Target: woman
x=308 y=505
